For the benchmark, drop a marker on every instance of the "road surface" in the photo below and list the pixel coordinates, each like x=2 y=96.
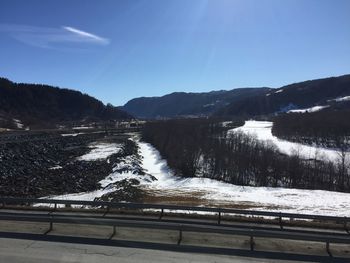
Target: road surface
x=28 y=251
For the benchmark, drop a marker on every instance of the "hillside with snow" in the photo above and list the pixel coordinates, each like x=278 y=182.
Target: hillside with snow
x=304 y=96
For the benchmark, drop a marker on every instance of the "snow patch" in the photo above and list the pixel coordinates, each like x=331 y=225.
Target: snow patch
x=346 y=98
x=56 y=167
x=82 y=127
x=312 y=109
x=226 y=123
x=288 y=107
x=18 y=123
x=100 y=151
x=71 y=134
x=79 y=133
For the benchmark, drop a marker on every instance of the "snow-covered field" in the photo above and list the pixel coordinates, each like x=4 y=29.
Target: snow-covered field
x=262 y=131
x=260 y=198
x=208 y=192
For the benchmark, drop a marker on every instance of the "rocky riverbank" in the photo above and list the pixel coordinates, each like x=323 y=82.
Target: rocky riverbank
x=45 y=164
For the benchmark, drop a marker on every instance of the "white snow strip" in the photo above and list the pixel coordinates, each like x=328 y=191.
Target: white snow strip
x=312 y=109
x=18 y=123
x=346 y=98
x=208 y=105
x=100 y=151
x=79 y=133
x=287 y=108
x=82 y=128
x=226 y=123
x=71 y=134
x=279 y=91
x=262 y=130
x=55 y=167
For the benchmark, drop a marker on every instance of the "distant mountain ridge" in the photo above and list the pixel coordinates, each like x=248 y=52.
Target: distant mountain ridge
x=243 y=102
x=181 y=104
x=294 y=96
x=33 y=105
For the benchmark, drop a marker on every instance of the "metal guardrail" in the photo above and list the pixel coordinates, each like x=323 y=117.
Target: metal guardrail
x=252 y=233
x=315 y=236
x=218 y=211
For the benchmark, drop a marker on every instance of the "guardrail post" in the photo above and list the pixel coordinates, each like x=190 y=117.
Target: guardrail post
x=252 y=243
x=54 y=208
x=219 y=218
x=107 y=211
x=161 y=214
x=50 y=228
x=114 y=232
x=281 y=222
x=346 y=225
x=328 y=250
x=180 y=236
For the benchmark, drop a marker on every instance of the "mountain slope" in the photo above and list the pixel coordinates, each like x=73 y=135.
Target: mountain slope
x=181 y=104
x=45 y=106
x=243 y=102
x=295 y=96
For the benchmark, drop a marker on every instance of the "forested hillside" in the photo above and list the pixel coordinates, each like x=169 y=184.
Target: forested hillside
x=295 y=96
x=244 y=102
x=181 y=104
x=45 y=106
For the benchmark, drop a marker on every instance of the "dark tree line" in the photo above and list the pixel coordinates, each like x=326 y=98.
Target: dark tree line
x=204 y=148
x=179 y=141
x=330 y=128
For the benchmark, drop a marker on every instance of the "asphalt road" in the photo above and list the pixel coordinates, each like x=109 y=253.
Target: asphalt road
x=28 y=251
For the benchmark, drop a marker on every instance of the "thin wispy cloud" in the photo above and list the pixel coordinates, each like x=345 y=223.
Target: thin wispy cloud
x=87 y=35
x=47 y=37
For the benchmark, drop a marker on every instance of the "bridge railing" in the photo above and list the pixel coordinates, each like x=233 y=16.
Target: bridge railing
x=305 y=235
x=162 y=207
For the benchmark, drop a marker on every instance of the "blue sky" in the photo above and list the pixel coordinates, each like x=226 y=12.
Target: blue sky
x=117 y=50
